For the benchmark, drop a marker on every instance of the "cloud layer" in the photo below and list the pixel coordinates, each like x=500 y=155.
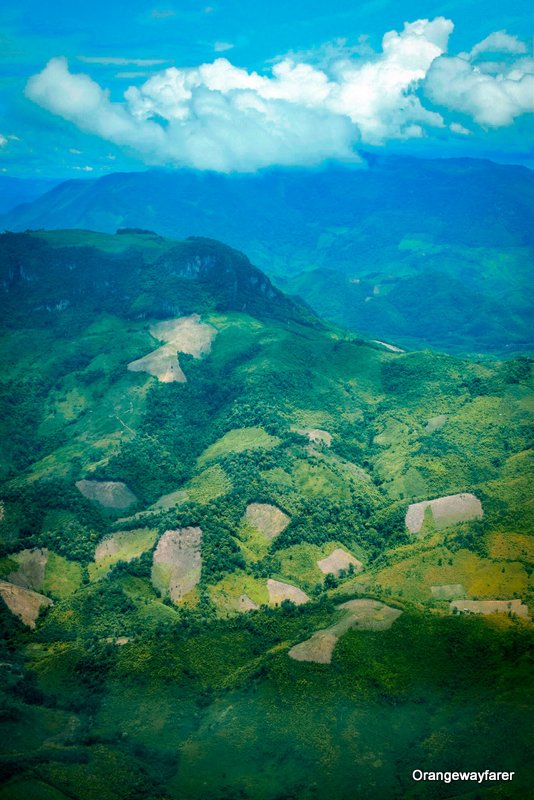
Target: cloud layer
x=221 y=117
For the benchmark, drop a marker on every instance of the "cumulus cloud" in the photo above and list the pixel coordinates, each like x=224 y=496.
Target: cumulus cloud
x=493 y=99
x=3 y=140
x=499 y=42
x=222 y=117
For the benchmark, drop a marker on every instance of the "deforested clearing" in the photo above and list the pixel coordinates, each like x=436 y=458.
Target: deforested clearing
x=162 y=364
x=267 y=519
x=316 y=435
x=448 y=591
x=31 y=569
x=516 y=607
x=338 y=561
x=370 y=615
x=177 y=562
x=318 y=648
x=364 y=614
x=24 y=603
x=109 y=494
x=436 y=423
x=121 y=546
x=184 y=335
x=278 y=592
x=445 y=511
x=244 y=603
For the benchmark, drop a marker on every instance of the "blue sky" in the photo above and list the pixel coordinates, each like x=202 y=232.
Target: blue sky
x=236 y=86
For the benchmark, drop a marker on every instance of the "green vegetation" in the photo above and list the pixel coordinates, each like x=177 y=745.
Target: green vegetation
x=198 y=698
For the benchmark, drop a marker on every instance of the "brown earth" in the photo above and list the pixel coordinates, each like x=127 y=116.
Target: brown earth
x=490 y=607
x=109 y=494
x=24 y=603
x=267 y=519
x=177 y=562
x=278 y=592
x=337 y=561
x=445 y=511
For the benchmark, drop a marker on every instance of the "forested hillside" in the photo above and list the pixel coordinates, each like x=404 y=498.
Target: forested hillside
x=432 y=253
x=246 y=554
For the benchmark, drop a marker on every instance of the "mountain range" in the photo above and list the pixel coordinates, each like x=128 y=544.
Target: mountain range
x=423 y=253
x=246 y=553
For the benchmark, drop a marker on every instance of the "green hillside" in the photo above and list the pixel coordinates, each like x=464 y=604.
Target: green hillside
x=417 y=252
x=200 y=474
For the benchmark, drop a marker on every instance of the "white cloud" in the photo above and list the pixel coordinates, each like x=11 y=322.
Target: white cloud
x=492 y=100
x=122 y=62
x=222 y=117
x=456 y=127
x=3 y=140
x=499 y=42
x=221 y=47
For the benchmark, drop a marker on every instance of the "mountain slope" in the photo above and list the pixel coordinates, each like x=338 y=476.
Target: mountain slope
x=165 y=511
x=390 y=232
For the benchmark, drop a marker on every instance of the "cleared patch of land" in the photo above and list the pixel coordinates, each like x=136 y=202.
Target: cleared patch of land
x=121 y=546
x=318 y=648
x=370 y=615
x=490 y=607
x=24 y=603
x=31 y=569
x=436 y=423
x=109 y=494
x=267 y=519
x=244 y=603
x=316 y=435
x=44 y=571
x=184 y=335
x=238 y=592
x=364 y=614
x=278 y=592
x=338 y=561
x=177 y=562
x=391 y=347
x=448 y=591
x=445 y=511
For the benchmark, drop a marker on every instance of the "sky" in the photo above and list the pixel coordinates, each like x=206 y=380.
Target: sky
x=92 y=88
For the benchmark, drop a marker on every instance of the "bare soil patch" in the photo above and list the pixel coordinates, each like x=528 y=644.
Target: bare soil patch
x=445 y=511
x=266 y=518
x=184 y=335
x=364 y=614
x=31 y=571
x=244 y=603
x=316 y=435
x=177 y=562
x=337 y=561
x=436 y=423
x=516 y=607
x=278 y=592
x=318 y=648
x=24 y=603
x=109 y=494
x=371 y=615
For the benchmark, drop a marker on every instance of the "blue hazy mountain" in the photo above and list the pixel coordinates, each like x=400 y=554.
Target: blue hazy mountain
x=425 y=252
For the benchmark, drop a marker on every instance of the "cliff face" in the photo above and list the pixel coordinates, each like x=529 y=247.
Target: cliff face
x=137 y=274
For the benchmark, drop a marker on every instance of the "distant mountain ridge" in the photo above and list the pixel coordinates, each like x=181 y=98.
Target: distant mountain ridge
x=379 y=249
